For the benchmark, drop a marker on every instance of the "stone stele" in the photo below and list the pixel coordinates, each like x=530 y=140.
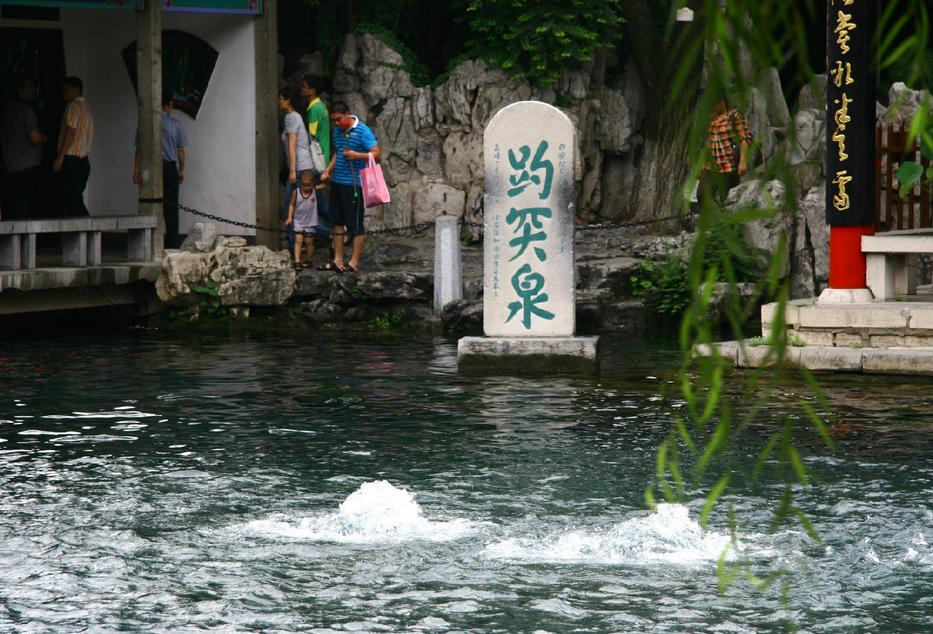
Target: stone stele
x=528 y=267
x=528 y=154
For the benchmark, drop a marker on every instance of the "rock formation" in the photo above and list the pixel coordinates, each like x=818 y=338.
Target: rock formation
x=232 y=272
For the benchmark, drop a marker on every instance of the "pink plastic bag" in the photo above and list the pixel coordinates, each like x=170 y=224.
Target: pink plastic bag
x=375 y=190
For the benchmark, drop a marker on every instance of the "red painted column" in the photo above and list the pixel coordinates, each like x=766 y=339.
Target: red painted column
x=846 y=260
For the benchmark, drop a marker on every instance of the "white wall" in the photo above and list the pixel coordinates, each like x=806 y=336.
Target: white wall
x=221 y=158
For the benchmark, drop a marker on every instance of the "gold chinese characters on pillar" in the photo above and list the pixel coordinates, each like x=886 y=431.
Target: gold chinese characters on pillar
x=850 y=101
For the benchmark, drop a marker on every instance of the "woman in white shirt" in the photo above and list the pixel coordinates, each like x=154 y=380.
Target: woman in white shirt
x=295 y=136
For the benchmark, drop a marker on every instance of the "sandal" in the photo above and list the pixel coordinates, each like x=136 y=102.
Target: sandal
x=331 y=266
x=355 y=269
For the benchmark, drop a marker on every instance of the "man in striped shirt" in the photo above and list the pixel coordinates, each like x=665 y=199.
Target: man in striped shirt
x=353 y=142
x=74 y=145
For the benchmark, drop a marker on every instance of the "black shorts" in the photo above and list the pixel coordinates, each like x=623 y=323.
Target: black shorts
x=346 y=208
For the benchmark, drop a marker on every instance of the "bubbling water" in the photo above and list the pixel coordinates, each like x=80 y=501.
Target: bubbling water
x=377 y=512
x=667 y=535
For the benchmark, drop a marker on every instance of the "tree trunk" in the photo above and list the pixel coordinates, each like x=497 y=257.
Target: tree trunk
x=664 y=161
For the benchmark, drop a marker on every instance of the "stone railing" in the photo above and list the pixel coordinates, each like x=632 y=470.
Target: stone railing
x=81 y=239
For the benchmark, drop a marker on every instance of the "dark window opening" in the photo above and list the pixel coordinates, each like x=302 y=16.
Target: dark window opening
x=13 y=12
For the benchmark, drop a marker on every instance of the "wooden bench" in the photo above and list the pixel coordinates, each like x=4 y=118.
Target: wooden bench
x=81 y=239
x=891 y=261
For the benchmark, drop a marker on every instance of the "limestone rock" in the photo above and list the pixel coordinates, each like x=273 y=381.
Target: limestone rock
x=238 y=274
x=428 y=156
x=809 y=142
x=311 y=64
x=399 y=212
x=230 y=241
x=769 y=85
x=201 y=237
x=378 y=69
x=463 y=158
x=616 y=128
x=437 y=199
x=423 y=108
x=757 y=113
x=904 y=102
x=396 y=129
x=811 y=245
x=463 y=315
x=182 y=272
x=575 y=83
x=394 y=286
x=492 y=97
x=253 y=276
x=618 y=181
x=765 y=234
x=396 y=170
x=453 y=100
x=813 y=95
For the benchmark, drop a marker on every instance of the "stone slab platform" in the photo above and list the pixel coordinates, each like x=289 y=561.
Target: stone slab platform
x=76 y=277
x=528 y=354
x=875 y=324
x=65 y=288
x=898 y=360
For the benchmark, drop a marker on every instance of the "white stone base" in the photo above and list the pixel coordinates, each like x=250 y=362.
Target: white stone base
x=846 y=296
x=529 y=354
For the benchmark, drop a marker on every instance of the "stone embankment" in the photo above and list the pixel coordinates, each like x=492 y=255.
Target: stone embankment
x=396 y=285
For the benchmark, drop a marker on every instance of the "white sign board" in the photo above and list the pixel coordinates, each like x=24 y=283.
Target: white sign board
x=528 y=151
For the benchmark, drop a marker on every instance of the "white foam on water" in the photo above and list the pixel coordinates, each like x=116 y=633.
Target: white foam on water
x=667 y=535
x=375 y=513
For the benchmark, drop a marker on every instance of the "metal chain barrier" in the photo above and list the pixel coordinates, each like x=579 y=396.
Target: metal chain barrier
x=424 y=226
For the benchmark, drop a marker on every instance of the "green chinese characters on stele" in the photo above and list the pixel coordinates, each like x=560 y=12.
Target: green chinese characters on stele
x=534 y=174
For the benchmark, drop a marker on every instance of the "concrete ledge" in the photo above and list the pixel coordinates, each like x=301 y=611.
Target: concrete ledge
x=528 y=354
x=903 y=361
x=22 y=302
x=898 y=361
x=89 y=223
x=853 y=316
x=826 y=358
x=76 y=277
x=917 y=241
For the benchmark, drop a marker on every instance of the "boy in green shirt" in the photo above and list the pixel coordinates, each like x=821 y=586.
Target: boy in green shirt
x=316 y=115
x=318 y=120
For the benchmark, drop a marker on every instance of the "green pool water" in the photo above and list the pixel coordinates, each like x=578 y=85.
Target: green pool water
x=313 y=482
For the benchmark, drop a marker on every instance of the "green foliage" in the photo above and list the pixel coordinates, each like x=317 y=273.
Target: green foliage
x=210 y=304
x=389 y=321
x=724 y=248
x=664 y=285
x=420 y=75
x=754 y=342
x=727 y=248
x=537 y=40
x=910 y=173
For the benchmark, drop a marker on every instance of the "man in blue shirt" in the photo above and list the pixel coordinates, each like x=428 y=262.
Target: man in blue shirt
x=174 y=142
x=353 y=142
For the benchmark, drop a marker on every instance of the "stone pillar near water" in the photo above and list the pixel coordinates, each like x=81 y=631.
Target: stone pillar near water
x=448 y=283
x=529 y=217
